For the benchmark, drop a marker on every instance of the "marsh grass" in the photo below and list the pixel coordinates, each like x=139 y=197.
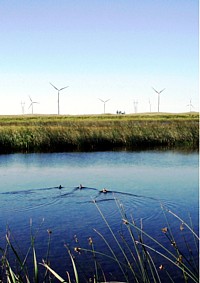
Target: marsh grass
x=136 y=255
x=97 y=132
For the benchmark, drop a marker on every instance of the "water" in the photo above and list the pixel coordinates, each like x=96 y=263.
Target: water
x=141 y=181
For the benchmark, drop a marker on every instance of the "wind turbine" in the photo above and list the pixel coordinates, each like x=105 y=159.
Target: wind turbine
x=190 y=105
x=158 y=92
x=58 y=95
x=32 y=102
x=135 y=103
x=104 y=102
x=150 y=105
x=22 y=105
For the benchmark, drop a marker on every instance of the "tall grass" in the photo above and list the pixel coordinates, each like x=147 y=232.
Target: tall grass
x=137 y=256
x=106 y=132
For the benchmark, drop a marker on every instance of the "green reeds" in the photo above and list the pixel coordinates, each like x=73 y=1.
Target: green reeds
x=106 y=132
x=19 y=271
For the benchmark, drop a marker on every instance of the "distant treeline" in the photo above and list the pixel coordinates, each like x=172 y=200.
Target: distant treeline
x=41 y=133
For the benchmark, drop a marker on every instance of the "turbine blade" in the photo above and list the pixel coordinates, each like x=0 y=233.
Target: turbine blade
x=30 y=105
x=155 y=90
x=107 y=100
x=63 y=88
x=54 y=86
x=162 y=90
x=101 y=100
x=30 y=98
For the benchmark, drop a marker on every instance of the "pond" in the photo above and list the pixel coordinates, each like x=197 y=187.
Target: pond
x=140 y=183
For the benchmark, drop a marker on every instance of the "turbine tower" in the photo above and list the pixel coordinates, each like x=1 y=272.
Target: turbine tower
x=158 y=92
x=22 y=105
x=149 y=105
x=32 y=102
x=135 y=103
x=104 y=102
x=58 y=95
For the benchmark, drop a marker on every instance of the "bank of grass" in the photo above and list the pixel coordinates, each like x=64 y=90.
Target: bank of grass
x=44 y=133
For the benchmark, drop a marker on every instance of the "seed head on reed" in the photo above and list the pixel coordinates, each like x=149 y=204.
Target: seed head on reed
x=90 y=241
x=173 y=243
x=161 y=267
x=164 y=230
x=125 y=221
x=75 y=239
x=179 y=259
x=77 y=250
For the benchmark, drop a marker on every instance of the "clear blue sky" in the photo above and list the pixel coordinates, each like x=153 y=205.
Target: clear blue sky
x=108 y=49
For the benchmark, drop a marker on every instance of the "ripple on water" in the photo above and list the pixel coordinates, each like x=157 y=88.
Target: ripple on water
x=29 y=199
x=89 y=203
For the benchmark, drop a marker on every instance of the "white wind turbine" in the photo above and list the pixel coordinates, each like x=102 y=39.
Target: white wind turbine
x=158 y=92
x=190 y=105
x=149 y=105
x=135 y=103
x=104 y=102
x=32 y=102
x=58 y=95
x=22 y=105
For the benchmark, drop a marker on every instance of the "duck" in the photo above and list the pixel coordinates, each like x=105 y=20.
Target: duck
x=80 y=187
x=104 y=190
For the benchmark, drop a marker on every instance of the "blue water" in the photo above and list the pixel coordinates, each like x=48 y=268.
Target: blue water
x=140 y=181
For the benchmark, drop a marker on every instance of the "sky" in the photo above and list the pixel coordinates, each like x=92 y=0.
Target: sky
x=100 y=49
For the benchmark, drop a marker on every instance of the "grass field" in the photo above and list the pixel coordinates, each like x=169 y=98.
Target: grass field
x=49 y=133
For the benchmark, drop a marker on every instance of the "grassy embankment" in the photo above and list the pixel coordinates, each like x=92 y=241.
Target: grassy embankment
x=41 y=133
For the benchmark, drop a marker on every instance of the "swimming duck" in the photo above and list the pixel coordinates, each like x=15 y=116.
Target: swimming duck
x=80 y=187
x=104 y=191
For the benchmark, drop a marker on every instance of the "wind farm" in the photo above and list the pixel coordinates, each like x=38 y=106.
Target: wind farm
x=147 y=104
x=77 y=103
